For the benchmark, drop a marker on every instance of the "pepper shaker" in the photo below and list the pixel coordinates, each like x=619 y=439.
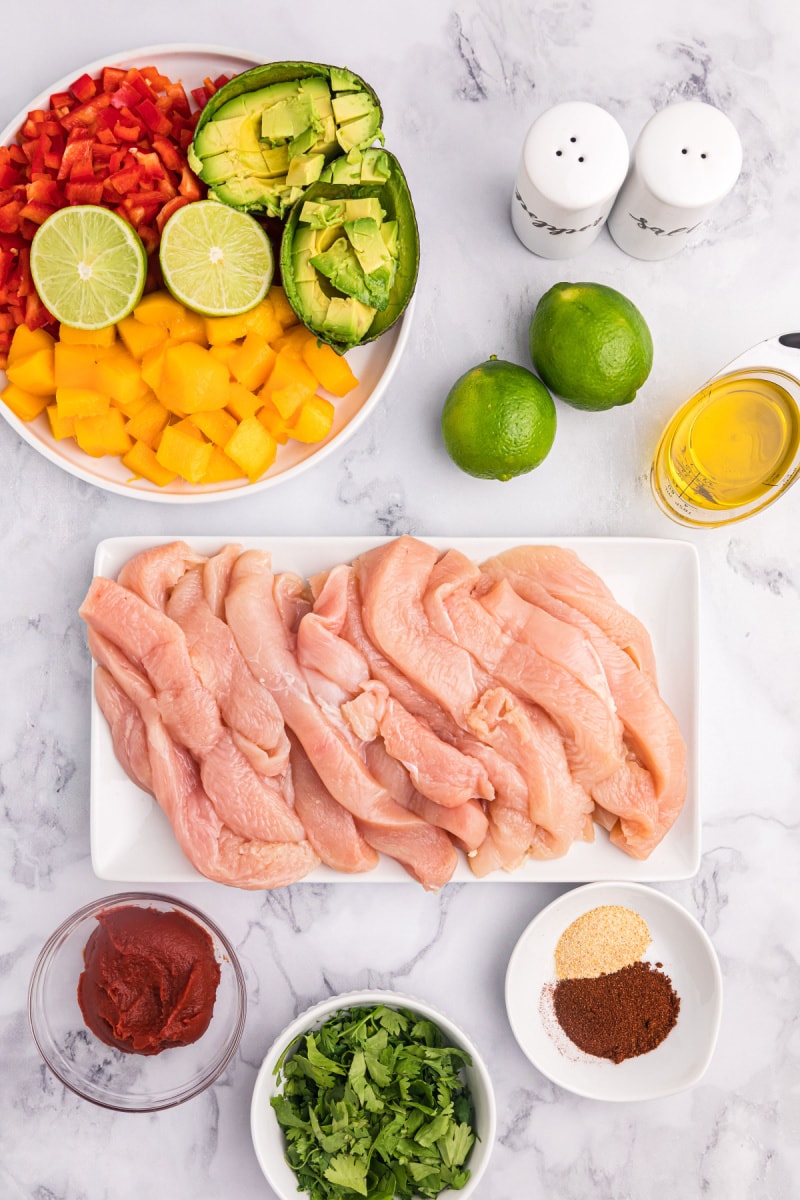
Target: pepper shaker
x=686 y=160
x=574 y=161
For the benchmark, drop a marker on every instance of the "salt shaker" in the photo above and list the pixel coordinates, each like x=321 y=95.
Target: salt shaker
x=686 y=160
x=574 y=161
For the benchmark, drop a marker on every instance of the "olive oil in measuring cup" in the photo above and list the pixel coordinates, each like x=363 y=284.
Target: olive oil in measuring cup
x=735 y=446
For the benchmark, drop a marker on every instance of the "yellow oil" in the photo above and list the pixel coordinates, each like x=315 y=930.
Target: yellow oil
x=730 y=445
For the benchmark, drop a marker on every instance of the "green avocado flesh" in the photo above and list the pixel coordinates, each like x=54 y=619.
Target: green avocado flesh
x=350 y=252
x=269 y=133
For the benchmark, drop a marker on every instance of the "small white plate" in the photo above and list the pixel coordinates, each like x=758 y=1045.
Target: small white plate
x=268 y=1139
x=373 y=364
x=658 y=580
x=688 y=958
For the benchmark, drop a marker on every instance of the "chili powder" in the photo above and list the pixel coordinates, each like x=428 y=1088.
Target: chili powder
x=619 y=1015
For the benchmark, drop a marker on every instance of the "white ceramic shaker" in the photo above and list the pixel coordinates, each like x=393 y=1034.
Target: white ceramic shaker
x=686 y=160
x=574 y=160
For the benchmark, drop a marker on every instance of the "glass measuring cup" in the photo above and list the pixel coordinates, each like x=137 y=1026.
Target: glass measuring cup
x=734 y=447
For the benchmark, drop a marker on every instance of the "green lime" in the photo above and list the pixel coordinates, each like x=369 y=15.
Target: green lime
x=498 y=421
x=88 y=265
x=590 y=345
x=216 y=260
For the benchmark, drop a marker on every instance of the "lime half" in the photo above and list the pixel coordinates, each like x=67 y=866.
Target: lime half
x=216 y=260
x=88 y=265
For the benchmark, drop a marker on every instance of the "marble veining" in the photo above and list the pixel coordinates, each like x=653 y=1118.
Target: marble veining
x=460 y=84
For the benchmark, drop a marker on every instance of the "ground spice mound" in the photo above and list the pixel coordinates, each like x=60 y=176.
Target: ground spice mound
x=603 y=940
x=620 y=1015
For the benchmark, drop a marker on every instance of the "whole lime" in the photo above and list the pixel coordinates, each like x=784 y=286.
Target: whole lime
x=590 y=345
x=498 y=421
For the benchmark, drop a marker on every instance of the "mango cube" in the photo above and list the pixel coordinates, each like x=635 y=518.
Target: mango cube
x=252 y=448
x=26 y=341
x=221 y=469
x=75 y=366
x=149 y=423
x=60 y=427
x=181 y=452
x=224 y=351
x=34 y=372
x=139 y=338
x=120 y=375
x=159 y=308
x=331 y=369
x=81 y=402
x=218 y=426
x=194 y=379
x=252 y=362
x=262 y=320
x=142 y=461
x=313 y=420
x=274 y=423
x=281 y=307
x=24 y=404
x=104 y=338
x=103 y=434
x=220 y=330
x=241 y=402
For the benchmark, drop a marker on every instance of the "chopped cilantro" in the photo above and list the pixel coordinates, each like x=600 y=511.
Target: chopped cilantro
x=373 y=1104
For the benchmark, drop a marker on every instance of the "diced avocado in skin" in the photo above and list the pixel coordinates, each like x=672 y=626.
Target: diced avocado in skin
x=320 y=216
x=390 y=234
x=247 y=193
x=351 y=105
x=305 y=169
x=370 y=249
x=255 y=101
x=303 y=142
x=340 y=265
x=343 y=80
x=348 y=319
x=359 y=166
x=359 y=132
x=363 y=206
x=314 y=301
x=276 y=159
x=289 y=118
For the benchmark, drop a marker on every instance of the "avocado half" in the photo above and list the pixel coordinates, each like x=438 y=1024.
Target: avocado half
x=301 y=278
x=269 y=133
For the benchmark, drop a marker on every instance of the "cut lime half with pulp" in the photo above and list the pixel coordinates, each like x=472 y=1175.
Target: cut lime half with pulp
x=216 y=260
x=88 y=265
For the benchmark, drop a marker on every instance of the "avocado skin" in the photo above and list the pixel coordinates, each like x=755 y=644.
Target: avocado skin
x=240 y=88
x=395 y=199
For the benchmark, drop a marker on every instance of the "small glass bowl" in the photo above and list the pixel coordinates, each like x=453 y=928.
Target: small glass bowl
x=108 y=1076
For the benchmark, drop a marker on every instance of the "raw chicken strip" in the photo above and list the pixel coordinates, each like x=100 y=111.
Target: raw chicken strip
x=540 y=658
x=153 y=573
x=248 y=709
x=127 y=730
x=647 y=793
x=262 y=637
x=331 y=829
x=393 y=581
x=213 y=849
x=569 y=579
x=249 y=803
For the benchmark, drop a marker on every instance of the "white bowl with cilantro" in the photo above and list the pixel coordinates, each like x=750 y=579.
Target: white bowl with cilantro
x=373 y=1094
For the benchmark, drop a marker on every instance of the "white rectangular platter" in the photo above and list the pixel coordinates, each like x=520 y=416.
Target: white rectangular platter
x=658 y=580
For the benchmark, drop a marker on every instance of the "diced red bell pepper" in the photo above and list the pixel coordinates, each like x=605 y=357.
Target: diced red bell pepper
x=84 y=88
x=9 y=216
x=36 y=212
x=189 y=185
x=111 y=78
x=83 y=193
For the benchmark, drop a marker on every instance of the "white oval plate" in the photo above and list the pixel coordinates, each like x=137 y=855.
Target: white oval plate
x=373 y=364
x=688 y=958
x=268 y=1139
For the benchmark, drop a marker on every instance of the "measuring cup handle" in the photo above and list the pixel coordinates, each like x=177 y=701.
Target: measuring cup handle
x=792 y=340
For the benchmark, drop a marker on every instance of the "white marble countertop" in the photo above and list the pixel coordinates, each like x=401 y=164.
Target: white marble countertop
x=460 y=86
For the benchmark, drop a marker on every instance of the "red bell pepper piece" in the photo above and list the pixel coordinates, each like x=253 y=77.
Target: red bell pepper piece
x=84 y=88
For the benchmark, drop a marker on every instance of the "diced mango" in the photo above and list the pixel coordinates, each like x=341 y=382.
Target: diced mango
x=218 y=426
x=188 y=426
x=194 y=379
x=152 y=365
x=242 y=403
x=68 y=336
x=221 y=469
x=75 y=366
x=60 y=427
x=139 y=338
x=224 y=351
x=82 y=402
x=252 y=448
x=23 y=404
x=281 y=307
x=273 y=422
x=132 y=408
x=148 y=424
x=252 y=362
x=142 y=461
x=262 y=320
x=159 y=308
x=290 y=383
x=331 y=369
x=103 y=434
x=34 y=372
x=26 y=341
x=294 y=340
x=220 y=330
x=181 y=452
x=313 y=420
x=120 y=374
x=289 y=399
